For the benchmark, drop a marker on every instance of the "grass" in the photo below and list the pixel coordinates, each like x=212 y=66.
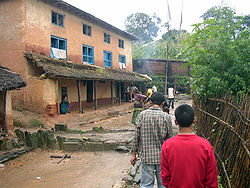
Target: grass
x=18 y=123
x=33 y=123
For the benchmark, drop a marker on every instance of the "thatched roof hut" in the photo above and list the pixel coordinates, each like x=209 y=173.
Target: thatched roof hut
x=54 y=68
x=10 y=80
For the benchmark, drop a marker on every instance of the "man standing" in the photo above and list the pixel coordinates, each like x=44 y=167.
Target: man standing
x=127 y=93
x=171 y=95
x=187 y=160
x=153 y=127
x=154 y=89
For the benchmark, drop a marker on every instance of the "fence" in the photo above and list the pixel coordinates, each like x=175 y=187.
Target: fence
x=226 y=125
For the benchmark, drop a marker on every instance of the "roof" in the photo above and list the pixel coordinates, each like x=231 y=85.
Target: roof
x=159 y=60
x=10 y=80
x=53 y=68
x=84 y=15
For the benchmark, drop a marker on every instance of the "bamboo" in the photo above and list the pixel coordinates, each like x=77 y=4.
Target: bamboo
x=229 y=136
x=230 y=127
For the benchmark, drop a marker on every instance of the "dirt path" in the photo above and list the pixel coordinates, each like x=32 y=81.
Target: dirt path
x=83 y=169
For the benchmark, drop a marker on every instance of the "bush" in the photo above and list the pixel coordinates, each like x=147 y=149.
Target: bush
x=218 y=51
x=183 y=83
x=35 y=123
x=18 y=123
x=159 y=81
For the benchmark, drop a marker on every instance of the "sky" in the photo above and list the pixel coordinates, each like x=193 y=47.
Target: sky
x=115 y=12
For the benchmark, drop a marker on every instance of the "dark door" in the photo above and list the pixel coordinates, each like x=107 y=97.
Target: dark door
x=117 y=90
x=64 y=92
x=122 y=91
x=90 y=91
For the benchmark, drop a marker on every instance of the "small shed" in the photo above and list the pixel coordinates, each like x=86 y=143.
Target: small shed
x=9 y=80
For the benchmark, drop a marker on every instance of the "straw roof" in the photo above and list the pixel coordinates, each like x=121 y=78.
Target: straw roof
x=53 y=68
x=10 y=80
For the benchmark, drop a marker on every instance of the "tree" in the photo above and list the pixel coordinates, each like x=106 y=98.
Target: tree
x=158 y=49
x=218 y=51
x=143 y=26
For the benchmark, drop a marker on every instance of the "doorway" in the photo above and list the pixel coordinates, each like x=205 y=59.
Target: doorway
x=89 y=91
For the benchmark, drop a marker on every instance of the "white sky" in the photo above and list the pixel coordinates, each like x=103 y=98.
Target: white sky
x=115 y=12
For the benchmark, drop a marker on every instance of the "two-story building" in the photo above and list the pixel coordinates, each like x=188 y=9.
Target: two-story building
x=61 y=50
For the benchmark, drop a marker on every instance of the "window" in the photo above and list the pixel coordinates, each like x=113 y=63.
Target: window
x=107 y=58
x=58 y=48
x=121 y=43
x=87 y=30
x=88 y=54
x=122 y=62
x=106 y=38
x=57 y=19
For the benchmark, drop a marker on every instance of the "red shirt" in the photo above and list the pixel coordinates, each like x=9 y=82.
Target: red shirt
x=188 y=161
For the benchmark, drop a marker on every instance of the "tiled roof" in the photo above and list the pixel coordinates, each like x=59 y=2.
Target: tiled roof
x=10 y=80
x=53 y=68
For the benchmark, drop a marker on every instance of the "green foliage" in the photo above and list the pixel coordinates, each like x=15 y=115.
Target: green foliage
x=35 y=123
x=159 y=81
x=143 y=26
x=18 y=123
x=160 y=49
x=219 y=182
x=183 y=83
x=219 y=53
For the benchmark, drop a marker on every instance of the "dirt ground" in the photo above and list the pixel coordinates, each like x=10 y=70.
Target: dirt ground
x=83 y=169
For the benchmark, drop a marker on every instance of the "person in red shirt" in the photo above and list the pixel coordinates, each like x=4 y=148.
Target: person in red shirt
x=187 y=160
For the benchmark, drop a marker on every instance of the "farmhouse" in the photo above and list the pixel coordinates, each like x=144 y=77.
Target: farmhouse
x=60 y=51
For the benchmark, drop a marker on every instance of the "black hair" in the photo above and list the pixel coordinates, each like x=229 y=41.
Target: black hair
x=157 y=98
x=184 y=115
x=63 y=97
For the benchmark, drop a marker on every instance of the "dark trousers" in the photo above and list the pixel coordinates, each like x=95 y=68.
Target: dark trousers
x=171 y=103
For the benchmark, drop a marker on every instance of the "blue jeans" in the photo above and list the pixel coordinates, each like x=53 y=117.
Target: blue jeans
x=148 y=173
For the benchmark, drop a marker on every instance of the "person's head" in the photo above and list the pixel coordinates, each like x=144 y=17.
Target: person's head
x=184 y=115
x=157 y=98
x=135 y=90
x=65 y=97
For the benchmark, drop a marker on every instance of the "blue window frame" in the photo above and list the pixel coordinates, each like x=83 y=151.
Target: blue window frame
x=88 y=54
x=58 y=48
x=106 y=38
x=87 y=30
x=122 y=62
x=107 y=58
x=57 y=19
x=121 y=43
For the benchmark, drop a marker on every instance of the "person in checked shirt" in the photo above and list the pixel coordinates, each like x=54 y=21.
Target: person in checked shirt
x=153 y=127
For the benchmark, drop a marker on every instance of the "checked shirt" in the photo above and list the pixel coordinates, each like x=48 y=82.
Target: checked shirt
x=153 y=127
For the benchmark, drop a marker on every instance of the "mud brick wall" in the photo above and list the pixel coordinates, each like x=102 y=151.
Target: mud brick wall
x=158 y=66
